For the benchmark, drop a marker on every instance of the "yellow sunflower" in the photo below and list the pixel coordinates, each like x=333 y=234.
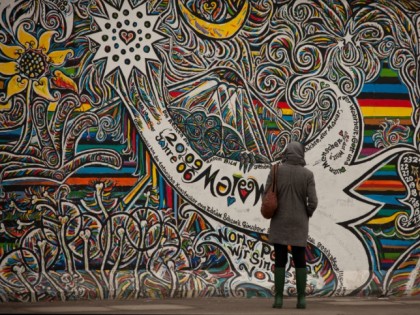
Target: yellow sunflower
x=30 y=65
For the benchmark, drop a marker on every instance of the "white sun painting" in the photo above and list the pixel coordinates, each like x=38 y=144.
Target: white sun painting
x=125 y=38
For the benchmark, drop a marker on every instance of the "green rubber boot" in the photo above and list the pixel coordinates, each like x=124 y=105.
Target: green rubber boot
x=301 y=287
x=279 y=276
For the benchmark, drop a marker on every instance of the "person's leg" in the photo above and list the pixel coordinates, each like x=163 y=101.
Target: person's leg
x=280 y=252
x=280 y=258
x=299 y=260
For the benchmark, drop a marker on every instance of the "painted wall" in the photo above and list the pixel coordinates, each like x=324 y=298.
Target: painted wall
x=136 y=137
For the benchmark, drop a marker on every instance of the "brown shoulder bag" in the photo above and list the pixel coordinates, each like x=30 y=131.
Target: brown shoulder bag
x=269 y=201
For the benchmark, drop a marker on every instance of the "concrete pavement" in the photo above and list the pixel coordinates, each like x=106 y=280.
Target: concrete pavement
x=259 y=306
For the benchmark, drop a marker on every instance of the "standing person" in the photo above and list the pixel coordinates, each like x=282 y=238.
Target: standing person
x=297 y=201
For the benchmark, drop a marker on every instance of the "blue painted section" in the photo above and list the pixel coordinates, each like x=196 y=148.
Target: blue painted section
x=385 y=88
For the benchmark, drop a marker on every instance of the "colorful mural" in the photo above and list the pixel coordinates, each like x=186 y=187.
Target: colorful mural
x=136 y=137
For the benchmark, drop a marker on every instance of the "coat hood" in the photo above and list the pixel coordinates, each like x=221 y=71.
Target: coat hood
x=294 y=154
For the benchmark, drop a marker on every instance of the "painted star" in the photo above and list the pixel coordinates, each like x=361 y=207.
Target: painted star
x=126 y=38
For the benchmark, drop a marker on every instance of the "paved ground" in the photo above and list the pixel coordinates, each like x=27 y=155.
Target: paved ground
x=258 y=306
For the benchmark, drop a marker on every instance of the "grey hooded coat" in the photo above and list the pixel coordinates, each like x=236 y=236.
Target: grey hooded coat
x=297 y=199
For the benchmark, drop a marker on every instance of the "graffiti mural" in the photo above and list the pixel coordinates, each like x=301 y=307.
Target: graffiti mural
x=137 y=135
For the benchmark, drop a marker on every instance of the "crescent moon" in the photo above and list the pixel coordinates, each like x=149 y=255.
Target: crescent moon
x=215 y=30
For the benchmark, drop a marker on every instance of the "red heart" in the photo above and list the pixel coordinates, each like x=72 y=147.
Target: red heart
x=127 y=36
x=244 y=194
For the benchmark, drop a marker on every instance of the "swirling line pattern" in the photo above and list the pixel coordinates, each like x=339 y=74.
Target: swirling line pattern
x=88 y=210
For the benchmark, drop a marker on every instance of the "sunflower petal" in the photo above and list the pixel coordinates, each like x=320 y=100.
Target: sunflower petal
x=41 y=87
x=15 y=85
x=58 y=57
x=63 y=81
x=9 y=68
x=26 y=39
x=45 y=41
x=12 y=52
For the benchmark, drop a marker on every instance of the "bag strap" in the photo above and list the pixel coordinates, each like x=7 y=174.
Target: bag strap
x=274 y=181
